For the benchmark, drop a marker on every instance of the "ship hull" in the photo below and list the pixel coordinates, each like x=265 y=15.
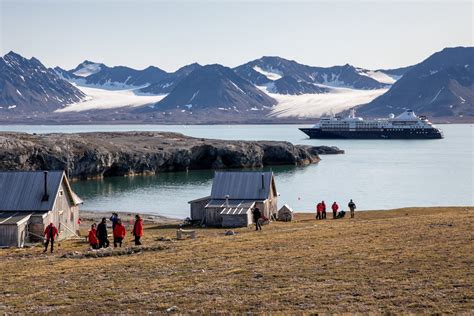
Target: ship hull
x=376 y=134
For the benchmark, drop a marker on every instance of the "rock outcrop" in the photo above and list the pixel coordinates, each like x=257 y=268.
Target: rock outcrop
x=95 y=155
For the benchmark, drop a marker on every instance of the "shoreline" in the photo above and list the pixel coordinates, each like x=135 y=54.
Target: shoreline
x=96 y=215
x=137 y=123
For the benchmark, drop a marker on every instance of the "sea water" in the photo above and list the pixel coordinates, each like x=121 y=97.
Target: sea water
x=376 y=174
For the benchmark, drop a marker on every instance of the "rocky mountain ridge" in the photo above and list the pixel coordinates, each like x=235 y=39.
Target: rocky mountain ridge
x=28 y=87
x=95 y=155
x=441 y=85
x=270 y=87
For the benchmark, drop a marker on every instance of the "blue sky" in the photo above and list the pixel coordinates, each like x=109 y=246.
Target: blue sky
x=170 y=34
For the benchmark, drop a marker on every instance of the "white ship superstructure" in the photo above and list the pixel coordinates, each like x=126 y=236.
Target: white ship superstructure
x=406 y=125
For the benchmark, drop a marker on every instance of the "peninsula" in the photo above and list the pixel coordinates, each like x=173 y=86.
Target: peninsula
x=97 y=155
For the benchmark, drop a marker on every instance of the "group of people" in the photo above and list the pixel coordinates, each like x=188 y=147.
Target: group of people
x=258 y=217
x=321 y=210
x=99 y=238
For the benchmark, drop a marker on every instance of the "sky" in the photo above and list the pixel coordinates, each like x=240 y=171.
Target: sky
x=170 y=34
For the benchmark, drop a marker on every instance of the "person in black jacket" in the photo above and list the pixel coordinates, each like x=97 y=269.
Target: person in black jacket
x=256 y=218
x=352 y=207
x=102 y=233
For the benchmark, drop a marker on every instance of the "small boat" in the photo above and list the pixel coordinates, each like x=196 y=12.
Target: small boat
x=405 y=126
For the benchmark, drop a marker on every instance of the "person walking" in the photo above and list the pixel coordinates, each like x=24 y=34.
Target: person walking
x=114 y=218
x=50 y=234
x=102 y=234
x=352 y=207
x=334 y=208
x=256 y=218
x=318 y=211
x=138 y=230
x=323 y=210
x=119 y=233
x=92 y=237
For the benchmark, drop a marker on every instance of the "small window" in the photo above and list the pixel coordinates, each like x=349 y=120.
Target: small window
x=61 y=193
x=72 y=217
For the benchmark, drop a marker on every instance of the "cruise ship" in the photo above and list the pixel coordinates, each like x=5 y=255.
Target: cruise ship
x=405 y=126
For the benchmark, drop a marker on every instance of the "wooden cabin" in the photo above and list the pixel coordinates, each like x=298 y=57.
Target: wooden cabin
x=30 y=200
x=233 y=197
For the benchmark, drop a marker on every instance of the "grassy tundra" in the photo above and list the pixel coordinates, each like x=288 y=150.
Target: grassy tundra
x=416 y=260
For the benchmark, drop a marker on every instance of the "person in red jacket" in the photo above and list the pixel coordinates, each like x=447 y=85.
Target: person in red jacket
x=50 y=234
x=334 y=207
x=318 y=211
x=137 y=230
x=119 y=233
x=92 y=237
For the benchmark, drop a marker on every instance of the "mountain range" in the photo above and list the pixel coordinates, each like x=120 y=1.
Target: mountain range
x=27 y=86
x=441 y=85
x=269 y=88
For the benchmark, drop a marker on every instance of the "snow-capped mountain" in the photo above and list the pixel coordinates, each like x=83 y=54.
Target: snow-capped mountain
x=168 y=82
x=214 y=88
x=289 y=85
x=269 y=87
x=441 y=85
x=100 y=75
x=27 y=87
x=266 y=69
x=87 y=68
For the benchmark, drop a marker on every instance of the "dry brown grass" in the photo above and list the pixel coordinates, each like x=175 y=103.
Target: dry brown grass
x=417 y=260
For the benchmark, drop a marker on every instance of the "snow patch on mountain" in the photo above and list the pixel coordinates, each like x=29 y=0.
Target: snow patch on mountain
x=272 y=75
x=378 y=76
x=317 y=105
x=100 y=99
x=87 y=69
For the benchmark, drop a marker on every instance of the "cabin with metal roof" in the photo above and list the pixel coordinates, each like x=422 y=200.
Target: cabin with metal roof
x=30 y=200
x=233 y=197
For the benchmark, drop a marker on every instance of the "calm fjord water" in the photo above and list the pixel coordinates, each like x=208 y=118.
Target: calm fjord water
x=377 y=174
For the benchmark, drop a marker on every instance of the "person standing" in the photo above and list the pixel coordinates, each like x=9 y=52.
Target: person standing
x=102 y=234
x=119 y=233
x=323 y=210
x=256 y=218
x=138 y=230
x=352 y=207
x=50 y=234
x=318 y=211
x=334 y=208
x=114 y=218
x=92 y=237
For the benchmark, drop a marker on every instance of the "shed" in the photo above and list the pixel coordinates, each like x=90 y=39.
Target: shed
x=233 y=196
x=13 y=228
x=285 y=213
x=30 y=200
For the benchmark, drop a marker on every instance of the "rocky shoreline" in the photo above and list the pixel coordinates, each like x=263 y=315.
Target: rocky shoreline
x=89 y=217
x=103 y=154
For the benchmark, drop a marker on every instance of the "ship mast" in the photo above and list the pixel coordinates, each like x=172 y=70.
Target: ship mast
x=352 y=113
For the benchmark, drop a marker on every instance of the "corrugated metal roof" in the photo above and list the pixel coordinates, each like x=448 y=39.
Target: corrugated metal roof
x=200 y=199
x=232 y=207
x=9 y=218
x=234 y=211
x=242 y=185
x=231 y=203
x=24 y=190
